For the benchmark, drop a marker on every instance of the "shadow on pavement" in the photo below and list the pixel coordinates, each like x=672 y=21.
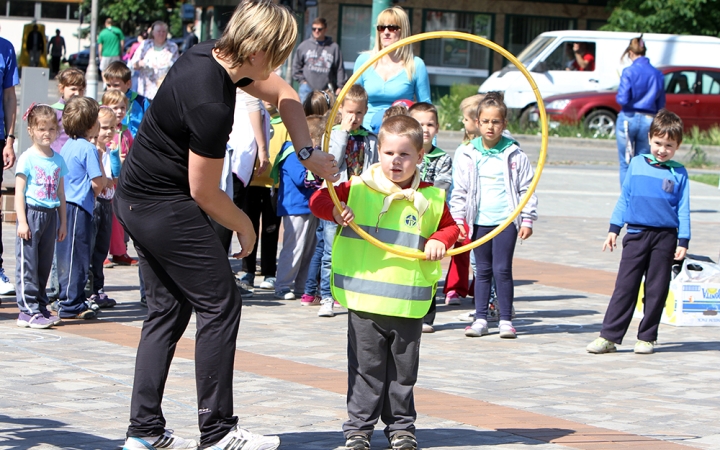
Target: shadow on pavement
x=24 y=433
x=428 y=438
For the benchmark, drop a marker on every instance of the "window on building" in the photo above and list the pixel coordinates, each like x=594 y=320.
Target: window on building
x=22 y=9
x=593 y=24
x=354 y=31
x=521 y=30
x=55 y=10
x=456 y=52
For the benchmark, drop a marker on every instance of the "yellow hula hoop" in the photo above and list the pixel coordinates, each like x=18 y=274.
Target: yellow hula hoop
x=543 y=147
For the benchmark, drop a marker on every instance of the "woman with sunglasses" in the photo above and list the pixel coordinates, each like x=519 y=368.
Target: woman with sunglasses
x=398 y=74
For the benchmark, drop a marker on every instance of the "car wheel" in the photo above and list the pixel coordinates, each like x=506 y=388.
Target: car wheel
x=601 y=123
x=524 y=118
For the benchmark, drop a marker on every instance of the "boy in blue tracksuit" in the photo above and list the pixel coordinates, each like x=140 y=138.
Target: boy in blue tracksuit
x=118 y=76
x=655 y=205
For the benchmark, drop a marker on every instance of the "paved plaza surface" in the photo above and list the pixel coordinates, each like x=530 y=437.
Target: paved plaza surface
x=69 y=387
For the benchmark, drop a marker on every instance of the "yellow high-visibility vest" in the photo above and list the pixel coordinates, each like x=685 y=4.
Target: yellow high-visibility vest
x=366 y=278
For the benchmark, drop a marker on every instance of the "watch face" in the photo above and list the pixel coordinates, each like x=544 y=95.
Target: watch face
x=305 y=153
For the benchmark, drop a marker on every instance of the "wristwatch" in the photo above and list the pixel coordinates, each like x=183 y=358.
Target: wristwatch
x=305 y=152
x=12 y=136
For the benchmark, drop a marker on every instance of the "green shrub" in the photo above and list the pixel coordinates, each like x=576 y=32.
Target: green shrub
x=448 y=106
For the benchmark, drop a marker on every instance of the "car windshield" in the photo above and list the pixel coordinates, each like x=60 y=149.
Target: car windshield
x=531 y=51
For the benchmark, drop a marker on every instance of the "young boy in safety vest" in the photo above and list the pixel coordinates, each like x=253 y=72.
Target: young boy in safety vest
x=386 y=295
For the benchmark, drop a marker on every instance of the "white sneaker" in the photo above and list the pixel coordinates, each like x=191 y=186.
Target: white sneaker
x=326 y=307
x=6 y=287
x=466 y=316
x=268 y=283
x=239 y=439
x=166 y=440
x=286 y=295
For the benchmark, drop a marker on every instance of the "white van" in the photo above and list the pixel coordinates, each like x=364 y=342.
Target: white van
x=548 y=56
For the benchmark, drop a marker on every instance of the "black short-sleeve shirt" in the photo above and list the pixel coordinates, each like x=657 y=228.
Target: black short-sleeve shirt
x=192 y=111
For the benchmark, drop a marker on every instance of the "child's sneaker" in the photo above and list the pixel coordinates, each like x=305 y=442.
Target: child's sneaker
x=37 y=321
x=107 y=264
x=50 y=317
x=477 y=329
x=403 y=441
x=307 y=300
x=601 y=345
x=428 y=328
x=326 y=307
x=644 y=348
x=466 y=316
x=507 y=331
x=165 y=440
x=241 y=439
x=357 y=441
x=92 y=305
x=452 y=298
x=268 y=283
x=6 y=287
x=124 y=260
x=88 y=314
x=285 y=295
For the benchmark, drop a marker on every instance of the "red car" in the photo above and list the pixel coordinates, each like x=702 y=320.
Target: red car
x=693 y=93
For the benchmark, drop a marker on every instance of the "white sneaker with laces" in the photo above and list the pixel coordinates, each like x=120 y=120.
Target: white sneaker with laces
x=6 y=287
x=240 y=439
x=268 y=283
x=165 y=440
x=326 y=308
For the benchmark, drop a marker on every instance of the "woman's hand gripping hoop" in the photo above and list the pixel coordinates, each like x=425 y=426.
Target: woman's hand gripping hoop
x=543 y=146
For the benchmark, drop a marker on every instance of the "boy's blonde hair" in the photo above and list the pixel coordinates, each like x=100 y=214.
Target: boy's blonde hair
x=397 y=110
x=71 y=77
x=316 y=125
x=424 y=107
x=357 y=94
x=667 y=123
x=397 y=16
x=79 y=116
x=258 y=25
x=117 y=70
x=404 y=126
x=115 y=97
x=106 y=111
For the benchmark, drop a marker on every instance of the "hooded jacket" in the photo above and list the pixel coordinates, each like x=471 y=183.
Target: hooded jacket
x=319 y=64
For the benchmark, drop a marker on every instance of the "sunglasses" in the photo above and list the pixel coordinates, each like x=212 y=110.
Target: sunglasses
x=392 y=28
x=317 y=29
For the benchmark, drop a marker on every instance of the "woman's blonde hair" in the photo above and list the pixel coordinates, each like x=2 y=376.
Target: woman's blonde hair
x=258 y=25
x=397 y=16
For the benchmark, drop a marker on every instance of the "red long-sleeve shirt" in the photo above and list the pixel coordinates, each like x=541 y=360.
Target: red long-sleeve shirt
x=322 y=206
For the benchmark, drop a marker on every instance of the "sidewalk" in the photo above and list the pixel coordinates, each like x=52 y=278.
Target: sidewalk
x=69 y=387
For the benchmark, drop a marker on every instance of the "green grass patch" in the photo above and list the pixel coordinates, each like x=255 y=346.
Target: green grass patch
x=712 y=179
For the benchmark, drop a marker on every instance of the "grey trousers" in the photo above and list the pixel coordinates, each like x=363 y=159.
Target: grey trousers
x=297 y=250
x=383 y=360
x=34 y=258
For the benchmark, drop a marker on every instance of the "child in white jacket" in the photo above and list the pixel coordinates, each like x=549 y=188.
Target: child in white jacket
x=489 y=180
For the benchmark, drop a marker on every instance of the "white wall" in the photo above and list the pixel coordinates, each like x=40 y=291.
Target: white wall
x=11 y=28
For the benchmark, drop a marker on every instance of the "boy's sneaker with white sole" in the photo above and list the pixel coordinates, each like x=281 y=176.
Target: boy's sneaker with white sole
x=241 y=439
x=326 y=307
x=165 y=440
x=644 y=348
x=601 y=345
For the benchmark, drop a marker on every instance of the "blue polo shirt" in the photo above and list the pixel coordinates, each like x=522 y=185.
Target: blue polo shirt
x=81 y=158
x=9 y=73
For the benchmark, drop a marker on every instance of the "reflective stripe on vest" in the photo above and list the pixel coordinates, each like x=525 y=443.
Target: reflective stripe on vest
x=366 y=278
x=388 y=236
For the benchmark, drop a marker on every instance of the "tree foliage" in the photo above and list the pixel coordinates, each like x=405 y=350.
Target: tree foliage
x=134 y=15
x=665 y=16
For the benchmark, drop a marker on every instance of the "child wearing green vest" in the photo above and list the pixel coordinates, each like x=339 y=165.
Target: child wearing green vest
x=386 y=295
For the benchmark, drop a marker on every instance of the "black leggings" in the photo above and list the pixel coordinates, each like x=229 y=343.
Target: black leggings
x=494 y=259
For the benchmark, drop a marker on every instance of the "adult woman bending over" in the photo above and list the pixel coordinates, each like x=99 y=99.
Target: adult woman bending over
x=168 y=188
x=641 y=95
x=398 y=75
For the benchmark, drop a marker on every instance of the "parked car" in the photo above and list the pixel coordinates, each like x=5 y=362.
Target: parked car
x=82 y=58
x=693 y=93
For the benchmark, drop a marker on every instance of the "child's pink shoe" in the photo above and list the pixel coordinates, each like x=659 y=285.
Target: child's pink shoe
x=452 y=298
x=308 y=300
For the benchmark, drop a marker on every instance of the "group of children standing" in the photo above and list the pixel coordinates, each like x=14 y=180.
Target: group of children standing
x=65 y=184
